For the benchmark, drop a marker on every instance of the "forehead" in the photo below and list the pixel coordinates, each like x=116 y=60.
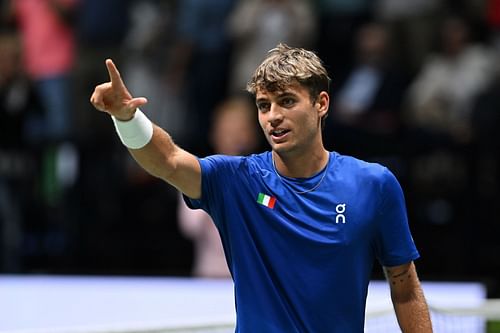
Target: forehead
x=294 y=88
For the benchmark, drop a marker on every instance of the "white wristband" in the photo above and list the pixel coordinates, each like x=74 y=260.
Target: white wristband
x=136 y=132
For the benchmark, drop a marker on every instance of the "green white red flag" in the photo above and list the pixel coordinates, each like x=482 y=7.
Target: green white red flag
x=266 y=200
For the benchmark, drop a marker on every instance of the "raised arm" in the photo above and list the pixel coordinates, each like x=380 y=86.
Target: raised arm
x=408 y=299
x=158 y=155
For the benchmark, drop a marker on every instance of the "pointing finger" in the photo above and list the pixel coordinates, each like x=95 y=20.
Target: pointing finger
x=114 y=74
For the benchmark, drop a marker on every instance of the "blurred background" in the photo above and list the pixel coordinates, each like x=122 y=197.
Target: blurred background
x=416 y=87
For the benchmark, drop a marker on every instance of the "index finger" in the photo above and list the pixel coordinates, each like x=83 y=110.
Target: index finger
x=114 y=74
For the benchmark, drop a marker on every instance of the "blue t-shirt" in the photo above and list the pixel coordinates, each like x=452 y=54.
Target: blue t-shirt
x=302 y=262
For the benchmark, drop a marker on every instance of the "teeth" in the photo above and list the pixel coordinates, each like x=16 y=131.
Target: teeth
x=278 y=132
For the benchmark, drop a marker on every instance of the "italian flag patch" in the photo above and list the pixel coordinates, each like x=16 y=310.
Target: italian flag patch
x=266 y=200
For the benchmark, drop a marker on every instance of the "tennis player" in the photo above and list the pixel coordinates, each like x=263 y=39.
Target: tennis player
x=301 y=226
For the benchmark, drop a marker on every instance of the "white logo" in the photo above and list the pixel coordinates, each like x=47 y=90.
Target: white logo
x=340 y=209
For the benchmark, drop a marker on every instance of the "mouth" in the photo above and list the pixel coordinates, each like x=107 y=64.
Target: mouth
x=278 y=134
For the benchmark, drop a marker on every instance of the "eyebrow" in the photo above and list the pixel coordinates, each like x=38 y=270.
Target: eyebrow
x=282 y=94
x=286 y=94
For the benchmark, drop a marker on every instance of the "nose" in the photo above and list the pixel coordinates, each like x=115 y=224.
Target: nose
x=275 y=115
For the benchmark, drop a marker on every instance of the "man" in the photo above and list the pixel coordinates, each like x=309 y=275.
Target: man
x=300 y=226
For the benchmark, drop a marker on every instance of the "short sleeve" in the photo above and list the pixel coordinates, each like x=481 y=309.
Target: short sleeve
x=394 y=244
x=217 y=177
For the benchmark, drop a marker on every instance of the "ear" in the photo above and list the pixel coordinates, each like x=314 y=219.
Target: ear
x=322 y=103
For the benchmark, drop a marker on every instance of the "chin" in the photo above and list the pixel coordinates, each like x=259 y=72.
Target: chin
x=282 y=148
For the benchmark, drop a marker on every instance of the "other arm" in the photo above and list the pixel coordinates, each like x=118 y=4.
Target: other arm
x=161 y=157
x=408 y=299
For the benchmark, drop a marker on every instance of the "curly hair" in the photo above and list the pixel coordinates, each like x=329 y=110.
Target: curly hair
x=285 y=65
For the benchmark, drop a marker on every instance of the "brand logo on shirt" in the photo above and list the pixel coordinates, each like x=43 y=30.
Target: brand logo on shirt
x=340 y=210
x=266 y=200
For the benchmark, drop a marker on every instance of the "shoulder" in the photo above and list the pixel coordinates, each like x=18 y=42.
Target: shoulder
x=252 y=162
x=260 y=159
x=368 y=175
x=359 y=168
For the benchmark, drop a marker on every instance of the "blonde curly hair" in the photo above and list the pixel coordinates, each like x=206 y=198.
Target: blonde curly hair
x=284 y=65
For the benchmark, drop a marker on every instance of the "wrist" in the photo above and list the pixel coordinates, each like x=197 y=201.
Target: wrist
x=125 y=117
x=136 y=132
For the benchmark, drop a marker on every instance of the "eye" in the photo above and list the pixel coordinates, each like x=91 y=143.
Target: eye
x=287 y=102
x=263 y=106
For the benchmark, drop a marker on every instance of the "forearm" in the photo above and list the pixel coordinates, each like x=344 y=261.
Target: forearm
x=162 y=158
x=408 y=299
x=151 y=146
x=413 y=313
x=155 y=157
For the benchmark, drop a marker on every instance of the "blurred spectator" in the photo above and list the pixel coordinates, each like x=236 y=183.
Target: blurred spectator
x=101 y=28
x=441 y=97
x=256 y=26
x=366 y=116
x=440 y=124
x=48 y=53
x=371 y=96
x=46 y=28
x=233 y=132
x=149 y=45
x=338 y=22
x=18 y=100
x=33 y=216
x=412 y=25
x=199 y=63
x=17 y=103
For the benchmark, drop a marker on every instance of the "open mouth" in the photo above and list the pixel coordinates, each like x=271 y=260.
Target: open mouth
x=278 y=133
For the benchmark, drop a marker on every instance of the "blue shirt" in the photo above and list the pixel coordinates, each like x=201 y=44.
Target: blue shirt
x=302 y=262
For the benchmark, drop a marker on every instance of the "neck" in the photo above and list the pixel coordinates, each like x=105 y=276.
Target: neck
x=302 y=165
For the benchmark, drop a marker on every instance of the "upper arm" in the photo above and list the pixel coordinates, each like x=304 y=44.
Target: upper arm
x=186 y=175
x=403 y=281
x=393 y=242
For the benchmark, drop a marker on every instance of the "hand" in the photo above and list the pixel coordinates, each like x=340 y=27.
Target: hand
x=114 y=98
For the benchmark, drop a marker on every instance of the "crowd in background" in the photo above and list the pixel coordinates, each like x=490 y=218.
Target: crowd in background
x=416 y=87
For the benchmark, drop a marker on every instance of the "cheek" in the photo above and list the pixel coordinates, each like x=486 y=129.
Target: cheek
x=262 y=121
x=309 y=121
x=304 y=117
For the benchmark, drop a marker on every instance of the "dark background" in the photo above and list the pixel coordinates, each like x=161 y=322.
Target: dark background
x=111 y=218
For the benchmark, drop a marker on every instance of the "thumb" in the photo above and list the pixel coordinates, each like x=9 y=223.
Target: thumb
x=137 y=102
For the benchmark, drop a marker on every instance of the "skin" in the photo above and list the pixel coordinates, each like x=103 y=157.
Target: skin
x=408 y=299
x=298 y=152
x=160 y=157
